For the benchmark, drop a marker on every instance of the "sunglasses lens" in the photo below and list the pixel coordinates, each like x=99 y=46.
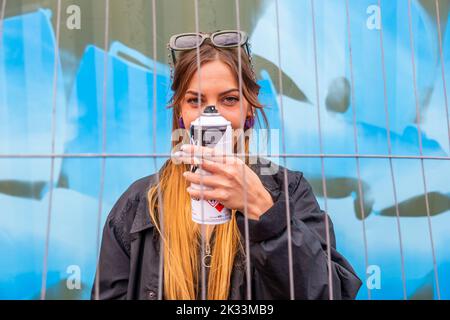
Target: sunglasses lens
x=228 y=39
x=187 y=42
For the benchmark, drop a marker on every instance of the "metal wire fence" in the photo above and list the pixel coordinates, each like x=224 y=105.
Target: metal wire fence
x=322 y=155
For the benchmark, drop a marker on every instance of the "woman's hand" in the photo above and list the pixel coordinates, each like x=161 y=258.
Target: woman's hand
x=226 y=181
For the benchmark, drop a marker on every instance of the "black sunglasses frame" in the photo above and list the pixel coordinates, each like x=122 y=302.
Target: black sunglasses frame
x=243 y=35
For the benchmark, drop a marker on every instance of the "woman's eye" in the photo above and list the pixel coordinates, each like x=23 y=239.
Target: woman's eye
x=193 y=101
x=231 y=100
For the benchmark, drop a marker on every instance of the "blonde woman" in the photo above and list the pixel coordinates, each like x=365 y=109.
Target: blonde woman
x=141 y=222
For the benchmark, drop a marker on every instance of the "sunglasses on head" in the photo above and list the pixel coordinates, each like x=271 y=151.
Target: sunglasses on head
x=221 y=39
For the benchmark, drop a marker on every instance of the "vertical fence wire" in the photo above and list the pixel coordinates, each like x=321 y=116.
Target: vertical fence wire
x=202 y=226
x=242 y=139
x=441 y=54
x=422 y=165
x=158 y=186
x=104 y=140
x=283 y=146
x=324 y=182
x=2 y=17
x=355 y=137
x=52 y=161
x=388 y=131
x=444 y=81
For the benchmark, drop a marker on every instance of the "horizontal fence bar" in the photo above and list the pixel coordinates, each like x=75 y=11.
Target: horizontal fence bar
x=167 y=155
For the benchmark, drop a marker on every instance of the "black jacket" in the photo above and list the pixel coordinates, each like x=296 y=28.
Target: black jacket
x=129 y=257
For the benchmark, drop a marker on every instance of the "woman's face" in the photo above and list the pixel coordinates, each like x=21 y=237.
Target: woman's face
x=218 y=88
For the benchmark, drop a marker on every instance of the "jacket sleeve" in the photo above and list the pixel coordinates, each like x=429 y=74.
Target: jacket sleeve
x=269 y=249
x=114 y=262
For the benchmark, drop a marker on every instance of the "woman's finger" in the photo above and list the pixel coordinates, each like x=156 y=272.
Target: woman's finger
x=212 y=166
x=212 y=154
x=208 y=165
x=197 y=150
x=206 y=180
x=202 y=194
x=190 y=160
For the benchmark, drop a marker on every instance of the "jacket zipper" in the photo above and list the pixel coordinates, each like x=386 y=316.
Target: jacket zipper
x=208 y=249
x=207 y=257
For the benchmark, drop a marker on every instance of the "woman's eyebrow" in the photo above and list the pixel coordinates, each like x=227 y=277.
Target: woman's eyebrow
x=221 y=94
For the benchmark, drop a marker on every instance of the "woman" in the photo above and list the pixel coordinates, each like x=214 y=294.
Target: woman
x=129 y=264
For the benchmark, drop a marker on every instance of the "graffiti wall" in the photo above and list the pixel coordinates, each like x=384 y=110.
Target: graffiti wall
x=364 y=83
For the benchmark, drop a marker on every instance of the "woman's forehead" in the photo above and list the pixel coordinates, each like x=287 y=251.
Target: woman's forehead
x=213 y=78
x=214 y=69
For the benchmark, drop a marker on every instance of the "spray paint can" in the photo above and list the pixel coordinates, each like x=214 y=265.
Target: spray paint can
x=213 y=131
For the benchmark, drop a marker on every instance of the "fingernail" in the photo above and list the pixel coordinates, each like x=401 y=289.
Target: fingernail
x=185 y=173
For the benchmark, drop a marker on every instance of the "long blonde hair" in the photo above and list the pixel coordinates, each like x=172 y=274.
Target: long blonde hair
x=180 y=235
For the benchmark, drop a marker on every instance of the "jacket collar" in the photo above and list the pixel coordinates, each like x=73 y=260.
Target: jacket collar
x=142 y=219
x=268 y=177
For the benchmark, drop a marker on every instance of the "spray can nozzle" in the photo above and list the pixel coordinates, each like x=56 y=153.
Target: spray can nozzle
x=210 y=109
